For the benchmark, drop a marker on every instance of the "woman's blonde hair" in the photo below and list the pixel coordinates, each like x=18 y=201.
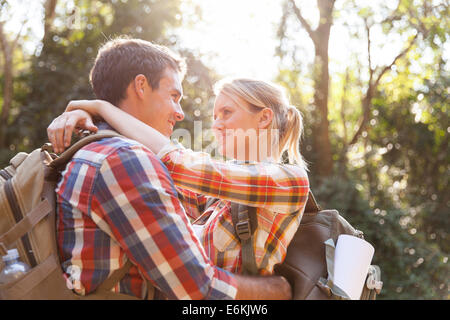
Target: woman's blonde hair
x=287 y=119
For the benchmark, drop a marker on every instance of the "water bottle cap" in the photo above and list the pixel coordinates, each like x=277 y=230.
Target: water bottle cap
x=12 y=254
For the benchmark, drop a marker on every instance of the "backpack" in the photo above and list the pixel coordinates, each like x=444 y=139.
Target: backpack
x=308 y=265
x=27 y=222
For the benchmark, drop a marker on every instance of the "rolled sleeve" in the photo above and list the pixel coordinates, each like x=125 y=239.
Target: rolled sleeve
x=172 y=146
x=280 y=188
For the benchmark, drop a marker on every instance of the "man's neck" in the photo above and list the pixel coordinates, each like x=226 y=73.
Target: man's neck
x=128 y=106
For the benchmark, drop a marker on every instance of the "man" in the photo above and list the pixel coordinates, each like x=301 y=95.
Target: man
x=117 y=201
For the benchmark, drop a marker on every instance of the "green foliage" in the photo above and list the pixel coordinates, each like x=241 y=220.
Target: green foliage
x=197 y=103
x=392 y=184
x=412 y=266
x=60 y=68
x=417 y=151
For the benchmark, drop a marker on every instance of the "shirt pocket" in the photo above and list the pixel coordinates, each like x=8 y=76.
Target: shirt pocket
x=263 y=232
x=224 y=238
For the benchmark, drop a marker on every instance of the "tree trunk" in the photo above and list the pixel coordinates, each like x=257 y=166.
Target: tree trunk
x=323 y=164
x=50 y=7
x=321 y=136
x=8 y=89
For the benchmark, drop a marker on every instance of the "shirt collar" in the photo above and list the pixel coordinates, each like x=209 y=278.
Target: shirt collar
x=102 y=125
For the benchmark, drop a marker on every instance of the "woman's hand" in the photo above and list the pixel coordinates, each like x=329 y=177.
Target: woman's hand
x=78 y=115
x=93 y=107
x=60 y=131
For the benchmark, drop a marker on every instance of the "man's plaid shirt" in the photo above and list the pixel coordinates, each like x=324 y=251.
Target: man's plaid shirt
x=117 y=201
x=279 y=192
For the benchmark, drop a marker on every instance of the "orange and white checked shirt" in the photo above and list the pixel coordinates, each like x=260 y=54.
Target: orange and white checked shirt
x=279 y=192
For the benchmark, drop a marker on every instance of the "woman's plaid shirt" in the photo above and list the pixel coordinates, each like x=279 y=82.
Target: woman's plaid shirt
x=116 y=201
x=278 y=191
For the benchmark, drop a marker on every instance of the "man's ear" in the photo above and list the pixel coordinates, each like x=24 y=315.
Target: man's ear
x=265 y=118
x=140 y=85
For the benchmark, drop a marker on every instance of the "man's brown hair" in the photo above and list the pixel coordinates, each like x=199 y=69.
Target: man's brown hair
x=120 y=60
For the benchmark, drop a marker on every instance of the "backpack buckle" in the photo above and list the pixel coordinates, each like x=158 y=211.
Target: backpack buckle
x=47 y=147
x=243 y=229
x=373 y=282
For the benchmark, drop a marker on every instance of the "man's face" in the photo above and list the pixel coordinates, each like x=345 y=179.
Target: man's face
x=162 y=109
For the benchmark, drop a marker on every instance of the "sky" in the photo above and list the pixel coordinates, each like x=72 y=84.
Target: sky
x=238 y=37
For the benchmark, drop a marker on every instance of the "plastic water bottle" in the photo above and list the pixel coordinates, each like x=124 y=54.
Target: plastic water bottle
x=14 y=268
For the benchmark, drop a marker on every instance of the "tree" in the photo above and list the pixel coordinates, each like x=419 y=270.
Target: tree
x=388 y=130
x=12 y=55
x=9 y=42
x=320 y=37
x=59 y=70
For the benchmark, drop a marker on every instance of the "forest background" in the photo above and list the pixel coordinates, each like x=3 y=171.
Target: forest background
x=376 y=117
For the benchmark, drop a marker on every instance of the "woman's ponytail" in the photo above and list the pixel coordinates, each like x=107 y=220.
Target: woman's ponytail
x=290 y=135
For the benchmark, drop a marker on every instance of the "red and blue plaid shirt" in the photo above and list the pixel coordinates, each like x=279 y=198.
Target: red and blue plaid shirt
x=117 y=201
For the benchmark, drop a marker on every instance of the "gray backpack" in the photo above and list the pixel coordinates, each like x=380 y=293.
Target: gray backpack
x=308 y=265
x=27 y=222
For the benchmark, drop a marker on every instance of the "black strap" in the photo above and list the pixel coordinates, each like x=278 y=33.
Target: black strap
x=18 y=216
x=245 y=223
x=5 y=174
x=115 y=277
x=311 y=204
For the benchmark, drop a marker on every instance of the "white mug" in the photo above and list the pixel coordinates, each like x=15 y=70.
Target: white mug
x=352 y=258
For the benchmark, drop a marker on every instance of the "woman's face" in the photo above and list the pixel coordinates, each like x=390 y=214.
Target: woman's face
x=235 y=127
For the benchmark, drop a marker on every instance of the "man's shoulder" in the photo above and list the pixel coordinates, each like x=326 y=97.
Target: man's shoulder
x=98 y=151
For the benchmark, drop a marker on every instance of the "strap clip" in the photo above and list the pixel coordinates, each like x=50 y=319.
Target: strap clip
x=373 y=284
x=243 y=229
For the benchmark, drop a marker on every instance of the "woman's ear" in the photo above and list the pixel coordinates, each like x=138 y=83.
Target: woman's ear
x=140 y=85
x=265 y=118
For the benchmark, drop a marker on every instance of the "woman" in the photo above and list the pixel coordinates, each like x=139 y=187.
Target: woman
x=253 y=124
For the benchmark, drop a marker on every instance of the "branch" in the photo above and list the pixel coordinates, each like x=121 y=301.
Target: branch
x=303 y=21
x=344 y=100
x=368 y=96
x=367 y=100
x=366 y=113
x=14 y=43
x=50 y=6
x=401 y=54
x=395 y=16
x=369 y=53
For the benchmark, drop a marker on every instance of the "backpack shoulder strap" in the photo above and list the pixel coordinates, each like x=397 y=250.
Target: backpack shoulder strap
x=245 y=223
x=115 y=277
x=67 y=155
x=24 y=225
x=311 y=204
